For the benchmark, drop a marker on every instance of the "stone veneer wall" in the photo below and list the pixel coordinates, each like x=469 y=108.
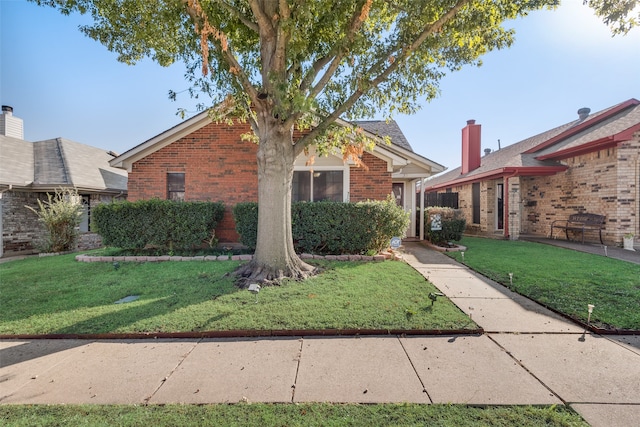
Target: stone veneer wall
x=23 y=233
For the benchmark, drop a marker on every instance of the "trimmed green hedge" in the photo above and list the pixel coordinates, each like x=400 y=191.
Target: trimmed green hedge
x=162 y=223
x=332 y=227
x=453 y=225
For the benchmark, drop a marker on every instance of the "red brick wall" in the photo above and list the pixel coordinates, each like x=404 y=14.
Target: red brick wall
x=372 y=184
x=219 y=166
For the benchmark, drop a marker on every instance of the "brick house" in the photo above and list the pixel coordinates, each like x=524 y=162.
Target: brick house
x=590 y=165
x=202 y=160
x=30 y=170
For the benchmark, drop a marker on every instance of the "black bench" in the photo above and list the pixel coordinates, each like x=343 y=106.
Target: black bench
x=580 y=222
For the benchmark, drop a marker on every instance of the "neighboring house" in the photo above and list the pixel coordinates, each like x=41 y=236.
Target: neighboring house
x=30 y=170
x=589 y=165
x=202 y=160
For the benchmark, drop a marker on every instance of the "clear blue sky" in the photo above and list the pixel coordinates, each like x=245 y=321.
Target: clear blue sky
x=63 y=84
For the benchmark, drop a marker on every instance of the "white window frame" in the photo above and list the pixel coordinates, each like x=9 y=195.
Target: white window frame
x=345 y=176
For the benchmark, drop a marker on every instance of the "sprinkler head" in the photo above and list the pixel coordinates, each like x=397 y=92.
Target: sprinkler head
x=433 y=296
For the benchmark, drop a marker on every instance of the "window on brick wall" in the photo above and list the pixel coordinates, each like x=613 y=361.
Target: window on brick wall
x=475 y=202
x=318 y=185
x=175 y=186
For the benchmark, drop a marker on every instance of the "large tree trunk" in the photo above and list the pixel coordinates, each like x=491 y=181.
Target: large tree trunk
x=275 y=257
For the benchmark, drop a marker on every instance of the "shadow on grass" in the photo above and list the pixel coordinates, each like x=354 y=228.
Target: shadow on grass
x=124 y=318
x=68 y=288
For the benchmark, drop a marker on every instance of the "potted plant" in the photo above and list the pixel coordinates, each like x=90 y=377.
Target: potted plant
x=627 y=241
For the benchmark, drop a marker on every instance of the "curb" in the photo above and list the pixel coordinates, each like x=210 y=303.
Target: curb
x=249 y=334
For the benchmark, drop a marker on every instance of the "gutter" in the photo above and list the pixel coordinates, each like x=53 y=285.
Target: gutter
x=500 y=173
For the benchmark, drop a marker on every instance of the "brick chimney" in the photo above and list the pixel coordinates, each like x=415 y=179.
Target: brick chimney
x=10 y=125
x=470 y=147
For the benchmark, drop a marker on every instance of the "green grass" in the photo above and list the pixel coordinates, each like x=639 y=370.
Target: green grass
x=58 y=295
x=288 y=415
x=562 y=279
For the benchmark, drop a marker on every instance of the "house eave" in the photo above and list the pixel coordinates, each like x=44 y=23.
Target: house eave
x=600 y=144
x=590 y=147
x=582 y=126
x=500 y=173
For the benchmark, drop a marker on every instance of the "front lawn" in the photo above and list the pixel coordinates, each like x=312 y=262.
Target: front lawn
x=312 y=414
x=58 y=295
x=562 y=279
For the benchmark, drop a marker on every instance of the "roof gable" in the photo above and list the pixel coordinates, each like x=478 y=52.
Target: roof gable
x=397 y=155
x=382 y=128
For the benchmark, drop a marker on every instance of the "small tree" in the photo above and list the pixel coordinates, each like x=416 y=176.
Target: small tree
x=61 y=215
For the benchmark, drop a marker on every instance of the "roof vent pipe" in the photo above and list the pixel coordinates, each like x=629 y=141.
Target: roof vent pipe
x=583 y=113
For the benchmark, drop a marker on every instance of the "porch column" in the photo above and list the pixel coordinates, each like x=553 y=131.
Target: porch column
x=421 y=234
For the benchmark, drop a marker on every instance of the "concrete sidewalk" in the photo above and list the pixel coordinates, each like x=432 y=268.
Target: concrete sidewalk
x=527 y=356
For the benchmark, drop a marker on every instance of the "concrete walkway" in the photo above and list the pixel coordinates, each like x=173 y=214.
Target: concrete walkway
x=528 y=355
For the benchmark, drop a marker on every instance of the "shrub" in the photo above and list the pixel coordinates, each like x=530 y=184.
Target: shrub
x=61 y=215
x=453 y=225
x=165 y=224
x=332 y=227
x=245 y=215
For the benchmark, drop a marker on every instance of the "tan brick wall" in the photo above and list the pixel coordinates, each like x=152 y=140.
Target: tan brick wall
x=603 y=182
x=606 y=182
x=515 y=207
x=219 y=166
x=628 y=194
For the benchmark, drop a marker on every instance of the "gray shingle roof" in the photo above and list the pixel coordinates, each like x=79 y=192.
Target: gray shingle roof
x=57 y=162
x=383 y=128
x=609 y=127
x=16 y=161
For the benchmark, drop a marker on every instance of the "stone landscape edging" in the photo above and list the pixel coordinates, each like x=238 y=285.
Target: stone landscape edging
x=247 y=257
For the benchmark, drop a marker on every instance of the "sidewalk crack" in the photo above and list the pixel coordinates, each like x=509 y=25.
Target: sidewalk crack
x=164 y=380
x=424 y=389
x=295 y=380
x=564 y=402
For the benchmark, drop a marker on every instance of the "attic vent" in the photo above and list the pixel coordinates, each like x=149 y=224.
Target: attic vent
x=583 y=113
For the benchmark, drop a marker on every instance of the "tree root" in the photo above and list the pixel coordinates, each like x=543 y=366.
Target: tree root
x=253 y=272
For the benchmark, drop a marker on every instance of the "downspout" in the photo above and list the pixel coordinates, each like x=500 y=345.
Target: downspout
x=505 y=208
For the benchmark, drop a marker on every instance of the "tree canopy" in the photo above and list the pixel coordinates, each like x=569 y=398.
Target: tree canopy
x=306 y=63
x=348 y=59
